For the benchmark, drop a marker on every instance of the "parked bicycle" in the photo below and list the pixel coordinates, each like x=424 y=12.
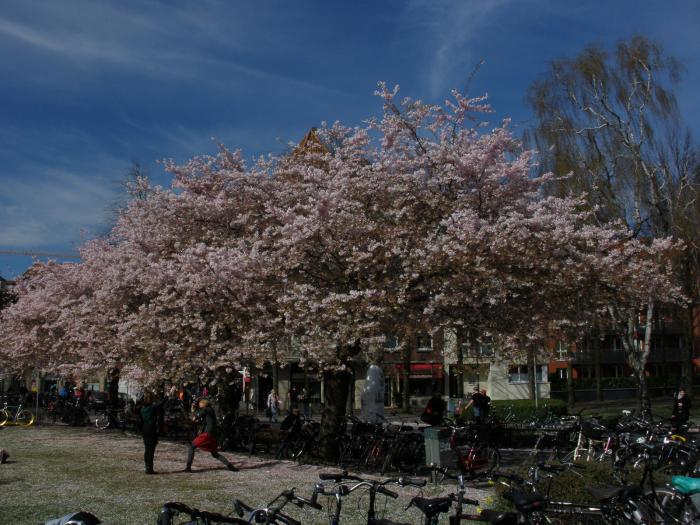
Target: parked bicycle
x=374 y=487
x=15 y=415
x=473 y=449
x=108 y=417
x=272 y=512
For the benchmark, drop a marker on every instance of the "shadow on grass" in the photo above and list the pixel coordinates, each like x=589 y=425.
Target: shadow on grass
x=241 y=465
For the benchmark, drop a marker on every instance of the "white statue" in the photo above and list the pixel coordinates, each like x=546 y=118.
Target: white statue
x=373 y=395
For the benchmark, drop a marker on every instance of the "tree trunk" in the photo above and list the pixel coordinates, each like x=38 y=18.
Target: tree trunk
x=532 y=380
x=689 y=354
x=407 y=353
x=276 y=377
x=113 y=387
x=596 y=366
x=637 y=351
x=570 y=392
x=459 y=376
x=645 y=401
x=336 y=385
x=350 y=404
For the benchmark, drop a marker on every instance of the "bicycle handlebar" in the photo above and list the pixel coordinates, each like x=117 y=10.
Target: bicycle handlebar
x=338 y=476
x=383 y=490
x=411 y=482
x=465 y=501
x=299 y=501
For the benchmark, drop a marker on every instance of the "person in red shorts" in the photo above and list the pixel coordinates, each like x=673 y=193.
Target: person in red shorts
x=206 y=436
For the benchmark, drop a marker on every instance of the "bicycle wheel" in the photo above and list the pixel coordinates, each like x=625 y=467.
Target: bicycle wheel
x=493 y=458
x=24 y=418
x=296 y=447
x=666 y=505
x=102 y=421
x=4 y=418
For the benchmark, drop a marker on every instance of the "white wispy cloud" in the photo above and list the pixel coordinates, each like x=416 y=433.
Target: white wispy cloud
x=186 y=41
x=448 y=27
x=49 y=193
x=51 y=209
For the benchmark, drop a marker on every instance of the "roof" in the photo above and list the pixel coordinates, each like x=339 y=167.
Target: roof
x=310 y=144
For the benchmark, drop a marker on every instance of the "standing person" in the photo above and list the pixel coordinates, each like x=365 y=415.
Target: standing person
x=681 y=409
x=273 y=405
x=150 y=417
x=64 y=392
x=206 y=438
x=477 y=402
x=79 y=393
x=305 y=399
x=485 y=406
x=293 y=399
x=435 y=409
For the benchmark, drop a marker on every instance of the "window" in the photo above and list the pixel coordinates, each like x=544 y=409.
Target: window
x=562 y=351
x=562 y=373
x=424 y=387
x=518 y=374
x=585 y=372
x=391 y=342
x=424 y=343
x=612 y=371
x=483 y=349
x=656 y=370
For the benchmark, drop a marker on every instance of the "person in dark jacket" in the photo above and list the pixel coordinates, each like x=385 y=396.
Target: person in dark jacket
x=206 y=438
x=477 y=403
x=150 y=416
x=435 y=410
x=681 y=409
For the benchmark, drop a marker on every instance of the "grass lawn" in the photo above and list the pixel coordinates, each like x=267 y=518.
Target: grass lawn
x=54 y=470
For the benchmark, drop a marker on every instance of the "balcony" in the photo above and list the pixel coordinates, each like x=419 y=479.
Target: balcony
x=657 y=355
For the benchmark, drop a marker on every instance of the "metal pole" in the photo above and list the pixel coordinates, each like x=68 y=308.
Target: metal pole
x=36 y=396
x=537 y=387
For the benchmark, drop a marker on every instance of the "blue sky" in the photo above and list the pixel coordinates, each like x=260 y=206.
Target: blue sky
x=88 y=87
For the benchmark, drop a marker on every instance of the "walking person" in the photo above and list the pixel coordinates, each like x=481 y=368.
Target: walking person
x=150 y=418
x=305 y=399
x=206 y=438
x=273 y=405
x=477 y=402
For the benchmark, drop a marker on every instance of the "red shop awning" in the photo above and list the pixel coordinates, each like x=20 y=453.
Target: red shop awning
x=423 y=370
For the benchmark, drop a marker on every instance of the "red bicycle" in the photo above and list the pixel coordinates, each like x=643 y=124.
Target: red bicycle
x=473 y=449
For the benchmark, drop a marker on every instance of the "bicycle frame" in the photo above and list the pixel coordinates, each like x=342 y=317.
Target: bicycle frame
x=470 y=461
x=12 y=413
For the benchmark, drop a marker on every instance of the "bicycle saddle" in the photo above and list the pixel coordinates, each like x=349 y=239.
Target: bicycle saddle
x=525 y=503
x=498 y=518
x=77 y=518
x=607 y=494
x=686 y=485
x=432 y=506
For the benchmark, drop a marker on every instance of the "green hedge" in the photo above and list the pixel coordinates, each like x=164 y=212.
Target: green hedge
x=614 y=382
x=523 y=409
